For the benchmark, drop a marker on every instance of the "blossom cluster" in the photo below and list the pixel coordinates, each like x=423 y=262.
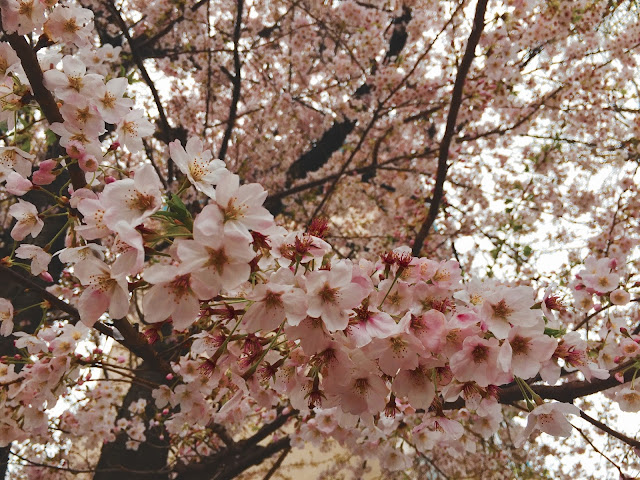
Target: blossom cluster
x=263 y=319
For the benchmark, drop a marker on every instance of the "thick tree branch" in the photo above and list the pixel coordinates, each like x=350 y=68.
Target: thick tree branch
x=42 y=95
x=344 y=167
x=456 y=100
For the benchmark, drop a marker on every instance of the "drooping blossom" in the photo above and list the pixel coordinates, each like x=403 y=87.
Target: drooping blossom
x=6 y=317
x=28 y=221
x=39 y=258
x=549 y=418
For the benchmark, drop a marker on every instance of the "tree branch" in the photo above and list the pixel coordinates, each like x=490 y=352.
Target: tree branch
x=456 y=100
x=139 y=61
x=42 y=95
x=236 y=80
x=133 y=340
x=632 y=442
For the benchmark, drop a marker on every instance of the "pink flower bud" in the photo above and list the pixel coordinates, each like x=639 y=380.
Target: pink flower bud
x=43 y=175
x=169 y=376
x=46 y=276
x=114 y=146
x=109 y=179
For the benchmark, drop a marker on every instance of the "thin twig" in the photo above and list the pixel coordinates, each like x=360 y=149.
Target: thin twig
x=632 y=442
x=277 y=463
x=139 y=61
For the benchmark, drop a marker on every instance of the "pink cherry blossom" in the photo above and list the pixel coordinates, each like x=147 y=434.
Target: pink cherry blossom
x=331 y=295
x=173 y=295
x=478 y=361
x=241 y=205
x=132 y=200
x=509 y=306
x=28 y=221
x=132 y=128
x=44 y=175
x=13 y=159
x=17 y=184
x=103 y=291
x=549 y=418
x=214 y=258
x=6 y=317
x=196 y=163
x=39 y=258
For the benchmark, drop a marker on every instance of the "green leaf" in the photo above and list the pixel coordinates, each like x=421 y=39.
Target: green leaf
x=556 y=333
x=51 y=137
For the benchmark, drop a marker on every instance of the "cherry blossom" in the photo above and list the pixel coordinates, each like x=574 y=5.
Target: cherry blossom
x=28 y=221
x=6 y=316
x=331 y=295
x=104 y=291
x=550 y=418
x=132 y=128
x=197 y=165
x=39 y=258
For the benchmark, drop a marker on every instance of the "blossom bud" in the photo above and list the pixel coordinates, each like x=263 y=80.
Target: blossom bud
x=109 y=179
x=46 y=276
x=169 y=376
x=114 y=146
